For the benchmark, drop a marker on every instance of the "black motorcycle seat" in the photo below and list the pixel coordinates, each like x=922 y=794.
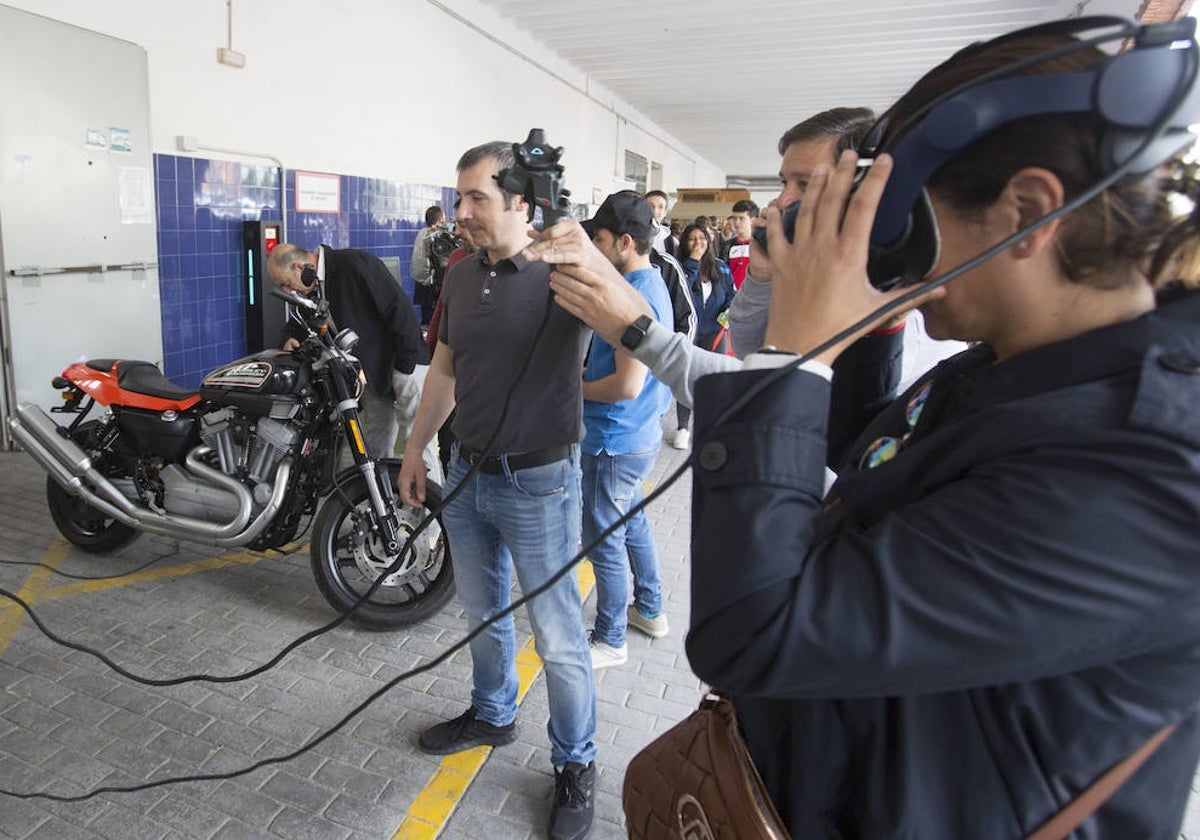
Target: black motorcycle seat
x=142 y=378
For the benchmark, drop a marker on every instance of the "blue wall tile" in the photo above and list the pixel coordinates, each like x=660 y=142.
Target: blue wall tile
x=201 y=205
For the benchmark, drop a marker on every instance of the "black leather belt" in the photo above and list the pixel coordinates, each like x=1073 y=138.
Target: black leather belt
x=494 y=464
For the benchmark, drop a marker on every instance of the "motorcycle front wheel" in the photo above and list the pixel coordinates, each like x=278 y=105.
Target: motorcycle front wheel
x=348 y=556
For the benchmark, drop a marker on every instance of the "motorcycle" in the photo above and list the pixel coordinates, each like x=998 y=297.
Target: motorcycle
x=242 y=463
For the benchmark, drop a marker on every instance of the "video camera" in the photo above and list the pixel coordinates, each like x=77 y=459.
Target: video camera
x=442 y=243
x=537 y=176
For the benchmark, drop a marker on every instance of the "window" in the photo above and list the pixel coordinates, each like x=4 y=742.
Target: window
x=636 y=170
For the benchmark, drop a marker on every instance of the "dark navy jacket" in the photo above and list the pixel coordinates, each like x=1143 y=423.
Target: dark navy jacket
x=957 y=642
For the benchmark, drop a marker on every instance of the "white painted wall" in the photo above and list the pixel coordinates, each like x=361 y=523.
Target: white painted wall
x=383 y=88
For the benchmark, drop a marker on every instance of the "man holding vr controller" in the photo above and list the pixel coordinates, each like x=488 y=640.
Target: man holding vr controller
x=995 y=603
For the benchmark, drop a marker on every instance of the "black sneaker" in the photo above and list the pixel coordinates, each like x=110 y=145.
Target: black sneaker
x=571 y=816
x=465 y=732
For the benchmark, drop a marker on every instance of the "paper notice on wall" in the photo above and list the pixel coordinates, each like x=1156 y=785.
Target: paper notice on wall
x=136 y=195
x=317 y=193
x=94 y=139
x=119 y=140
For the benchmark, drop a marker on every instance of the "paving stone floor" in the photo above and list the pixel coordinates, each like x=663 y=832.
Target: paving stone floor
x=69 y=724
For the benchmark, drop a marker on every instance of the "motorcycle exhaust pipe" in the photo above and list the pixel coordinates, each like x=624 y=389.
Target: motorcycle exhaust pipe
x=66 y=463
x=71 y=467
x=267 y=515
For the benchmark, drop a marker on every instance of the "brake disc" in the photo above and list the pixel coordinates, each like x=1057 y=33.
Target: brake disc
x=372 y=558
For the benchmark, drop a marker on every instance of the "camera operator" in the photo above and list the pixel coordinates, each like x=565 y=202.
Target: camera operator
x=422 y=266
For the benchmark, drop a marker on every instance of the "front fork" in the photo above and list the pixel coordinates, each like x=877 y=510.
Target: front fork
x=378 y=487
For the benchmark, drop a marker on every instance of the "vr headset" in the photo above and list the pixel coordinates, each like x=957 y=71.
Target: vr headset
x=1143 y=99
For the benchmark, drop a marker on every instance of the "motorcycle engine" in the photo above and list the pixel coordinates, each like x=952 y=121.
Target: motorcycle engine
x=252 y=448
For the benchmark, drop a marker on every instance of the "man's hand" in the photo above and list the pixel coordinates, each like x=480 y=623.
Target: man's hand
x=410 y=483
x=291 y=344
x=821 y=286
x=585 y=282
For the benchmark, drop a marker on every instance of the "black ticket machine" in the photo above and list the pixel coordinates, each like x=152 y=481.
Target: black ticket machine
x=265 y=315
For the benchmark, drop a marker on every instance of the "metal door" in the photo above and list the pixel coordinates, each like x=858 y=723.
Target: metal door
x=78 y=262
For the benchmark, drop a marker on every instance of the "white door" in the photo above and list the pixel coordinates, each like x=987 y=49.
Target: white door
x=77 y=225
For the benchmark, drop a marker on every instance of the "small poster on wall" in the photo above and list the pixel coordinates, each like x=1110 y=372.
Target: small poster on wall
x=136 y=195
x=119 y=140
x=318 y=193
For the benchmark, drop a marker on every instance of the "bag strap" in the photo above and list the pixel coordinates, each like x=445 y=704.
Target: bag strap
x=717 y=341
x=1086 y=803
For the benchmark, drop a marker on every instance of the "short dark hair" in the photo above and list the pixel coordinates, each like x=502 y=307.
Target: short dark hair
x=658 y=193
x=433 y=215
x=498 y=151
x=848 y=125
x=745 y=205
x=642 y=246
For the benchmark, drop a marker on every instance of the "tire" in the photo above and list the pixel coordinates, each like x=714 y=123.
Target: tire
x=85 y=527
x=347 y=558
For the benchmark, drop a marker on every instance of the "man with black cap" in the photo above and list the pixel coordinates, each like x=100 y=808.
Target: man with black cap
x=622 y=406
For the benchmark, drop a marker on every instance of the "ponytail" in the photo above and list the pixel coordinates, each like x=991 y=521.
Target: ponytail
x=1177 y=258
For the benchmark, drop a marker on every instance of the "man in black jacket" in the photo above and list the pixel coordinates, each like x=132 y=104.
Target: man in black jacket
x=364 y=296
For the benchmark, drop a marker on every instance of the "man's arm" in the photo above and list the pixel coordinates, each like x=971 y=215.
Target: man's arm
x=623 y=384
x=677 y=363
x=437 y=401
x=587 y=285
x=748 y=315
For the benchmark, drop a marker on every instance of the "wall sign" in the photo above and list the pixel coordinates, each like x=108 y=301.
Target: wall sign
x=318 y=193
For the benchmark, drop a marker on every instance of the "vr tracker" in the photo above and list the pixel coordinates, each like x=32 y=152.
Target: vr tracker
x=1145 y=98
x=537 y=176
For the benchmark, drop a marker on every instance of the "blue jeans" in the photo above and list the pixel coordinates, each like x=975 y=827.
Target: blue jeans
x=612 y=486
x=529 y=521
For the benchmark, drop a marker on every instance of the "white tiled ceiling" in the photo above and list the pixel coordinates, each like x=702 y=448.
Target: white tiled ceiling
x=729 y=77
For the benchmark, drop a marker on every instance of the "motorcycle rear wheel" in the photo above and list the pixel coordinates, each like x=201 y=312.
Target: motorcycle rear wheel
x=347 y=558
x=84 y=526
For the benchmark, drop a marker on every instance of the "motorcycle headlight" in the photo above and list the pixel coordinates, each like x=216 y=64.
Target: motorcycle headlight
x=346 y=339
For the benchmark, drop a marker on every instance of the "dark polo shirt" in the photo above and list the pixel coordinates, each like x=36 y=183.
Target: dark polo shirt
x=491 y=314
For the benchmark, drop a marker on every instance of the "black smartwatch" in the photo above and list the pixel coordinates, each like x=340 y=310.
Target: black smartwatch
x=635 y=332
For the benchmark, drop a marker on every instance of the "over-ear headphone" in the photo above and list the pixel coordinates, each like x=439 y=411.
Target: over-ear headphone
x=1143 y=99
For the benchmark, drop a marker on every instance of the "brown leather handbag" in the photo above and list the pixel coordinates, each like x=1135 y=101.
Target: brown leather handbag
x=697 y=781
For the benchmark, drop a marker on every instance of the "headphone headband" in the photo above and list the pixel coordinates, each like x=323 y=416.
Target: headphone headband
x=1145 y=98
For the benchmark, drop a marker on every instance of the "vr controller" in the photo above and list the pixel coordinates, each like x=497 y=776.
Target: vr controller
x=1143 y=99
x=537 y=176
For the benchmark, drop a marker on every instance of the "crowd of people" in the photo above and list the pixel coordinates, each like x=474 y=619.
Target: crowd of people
x=944 y=611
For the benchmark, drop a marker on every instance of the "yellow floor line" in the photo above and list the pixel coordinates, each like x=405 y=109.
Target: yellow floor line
x=179 y=569
x=431 y=810
x=39 y=579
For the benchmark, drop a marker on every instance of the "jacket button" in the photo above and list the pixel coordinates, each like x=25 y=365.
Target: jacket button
x=713 y=455
x=1180 y=362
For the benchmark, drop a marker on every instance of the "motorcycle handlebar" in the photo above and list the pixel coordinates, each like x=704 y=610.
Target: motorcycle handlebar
x=293 y=297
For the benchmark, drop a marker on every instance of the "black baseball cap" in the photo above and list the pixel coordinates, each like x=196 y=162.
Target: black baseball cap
x=624 y=213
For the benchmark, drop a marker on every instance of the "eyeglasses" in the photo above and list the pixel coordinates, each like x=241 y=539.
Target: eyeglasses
x=885 y=449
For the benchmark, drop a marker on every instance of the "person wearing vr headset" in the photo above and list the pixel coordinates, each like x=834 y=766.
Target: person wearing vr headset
x=995 y=602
